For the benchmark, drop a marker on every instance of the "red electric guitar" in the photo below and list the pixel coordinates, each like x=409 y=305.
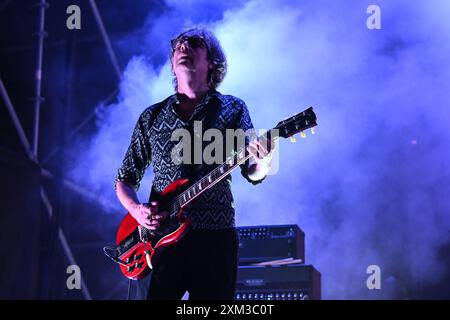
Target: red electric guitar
x=137 y=248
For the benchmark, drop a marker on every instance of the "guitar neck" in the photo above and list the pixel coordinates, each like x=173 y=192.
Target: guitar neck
x=212 y=178
x=284 y=129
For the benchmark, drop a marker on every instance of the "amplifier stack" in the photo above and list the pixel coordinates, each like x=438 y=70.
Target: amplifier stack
x=272 y=265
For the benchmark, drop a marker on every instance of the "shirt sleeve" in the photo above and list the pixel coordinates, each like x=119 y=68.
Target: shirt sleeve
x=244 y=122
x=138 y=155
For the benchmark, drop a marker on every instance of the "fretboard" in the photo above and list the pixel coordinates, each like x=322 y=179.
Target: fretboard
x=209 y=180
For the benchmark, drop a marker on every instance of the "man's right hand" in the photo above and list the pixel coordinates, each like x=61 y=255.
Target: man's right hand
x=147 y=215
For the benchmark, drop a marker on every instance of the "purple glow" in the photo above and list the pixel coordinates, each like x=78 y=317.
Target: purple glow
x=361 y=192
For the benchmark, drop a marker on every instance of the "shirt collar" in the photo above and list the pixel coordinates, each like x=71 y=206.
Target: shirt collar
x=208 y=96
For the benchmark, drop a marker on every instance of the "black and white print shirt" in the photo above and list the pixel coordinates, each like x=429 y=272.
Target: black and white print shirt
x=151 y=143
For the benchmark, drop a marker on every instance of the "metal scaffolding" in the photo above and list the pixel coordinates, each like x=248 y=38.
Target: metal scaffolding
x=31 y=150
x=40 y=34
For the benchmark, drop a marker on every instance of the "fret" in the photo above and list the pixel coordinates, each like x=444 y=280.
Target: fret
x=217 y=174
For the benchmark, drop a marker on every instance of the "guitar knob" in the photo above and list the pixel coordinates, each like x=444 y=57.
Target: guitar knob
x=313 y=130
x=303 y=134
x=292 y=138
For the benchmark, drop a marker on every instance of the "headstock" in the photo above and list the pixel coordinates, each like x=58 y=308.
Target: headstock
x=297 y=123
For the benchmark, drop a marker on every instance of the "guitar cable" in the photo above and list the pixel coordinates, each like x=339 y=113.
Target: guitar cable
x=113 y=257
x=117 y=260
x=129 y=289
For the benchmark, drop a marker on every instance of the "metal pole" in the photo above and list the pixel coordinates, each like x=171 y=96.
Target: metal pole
x=16 y=122
x=44 y=172
x=105 y=37
x=64 y=243
x=41 y=34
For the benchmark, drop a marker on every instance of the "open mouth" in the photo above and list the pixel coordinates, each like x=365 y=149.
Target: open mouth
x=184 y=59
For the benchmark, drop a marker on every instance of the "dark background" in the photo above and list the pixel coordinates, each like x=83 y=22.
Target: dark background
x=73 y=60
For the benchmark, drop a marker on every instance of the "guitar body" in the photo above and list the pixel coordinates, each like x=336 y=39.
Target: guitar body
x=138 y=248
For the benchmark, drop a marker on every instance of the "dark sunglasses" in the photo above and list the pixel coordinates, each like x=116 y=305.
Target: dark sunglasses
x=194 y=42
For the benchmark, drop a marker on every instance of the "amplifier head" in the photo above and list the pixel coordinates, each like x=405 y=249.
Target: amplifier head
x=287 y=282
x=265 y=243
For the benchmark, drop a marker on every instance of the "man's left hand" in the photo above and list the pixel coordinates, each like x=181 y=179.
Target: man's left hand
x=260 y=149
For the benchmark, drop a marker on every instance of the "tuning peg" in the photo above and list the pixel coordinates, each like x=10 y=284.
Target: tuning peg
x=303 y=134
x=313 y=130
x=293 y=139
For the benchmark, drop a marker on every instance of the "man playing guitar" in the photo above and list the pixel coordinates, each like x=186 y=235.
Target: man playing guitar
x=204 y=261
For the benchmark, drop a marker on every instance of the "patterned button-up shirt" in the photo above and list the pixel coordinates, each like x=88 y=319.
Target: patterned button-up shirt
x=151 y=143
